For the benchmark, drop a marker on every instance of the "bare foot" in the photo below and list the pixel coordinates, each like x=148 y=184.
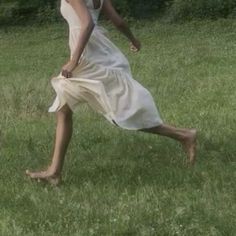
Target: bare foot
x=189 y=144
x=46 y=176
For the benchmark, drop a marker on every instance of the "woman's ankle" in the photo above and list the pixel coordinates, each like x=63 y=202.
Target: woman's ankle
x=53 y=171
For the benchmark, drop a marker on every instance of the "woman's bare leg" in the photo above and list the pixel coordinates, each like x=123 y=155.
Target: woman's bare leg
x=187 y=137
x=63 y=136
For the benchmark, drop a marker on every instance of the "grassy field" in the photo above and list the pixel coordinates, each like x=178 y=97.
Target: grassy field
x=120 y=182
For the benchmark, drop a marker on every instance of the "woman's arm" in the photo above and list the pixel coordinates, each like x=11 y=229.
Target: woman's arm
x=87 y=26
x=120 y=24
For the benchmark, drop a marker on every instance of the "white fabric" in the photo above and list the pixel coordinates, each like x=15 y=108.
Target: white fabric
x=103 y=79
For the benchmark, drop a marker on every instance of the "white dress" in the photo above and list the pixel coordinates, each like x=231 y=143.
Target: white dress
x=103 y=79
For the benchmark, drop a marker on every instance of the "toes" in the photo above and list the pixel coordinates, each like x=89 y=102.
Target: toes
x=35 y=175
x=28 y=173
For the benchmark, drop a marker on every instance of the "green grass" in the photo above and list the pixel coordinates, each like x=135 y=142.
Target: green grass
x=120 y=182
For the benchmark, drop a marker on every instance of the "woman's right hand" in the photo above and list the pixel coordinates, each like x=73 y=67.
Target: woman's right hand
x=68 y=68
x=135 y=45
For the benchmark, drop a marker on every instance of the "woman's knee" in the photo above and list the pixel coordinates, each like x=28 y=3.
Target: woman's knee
x=65 y=112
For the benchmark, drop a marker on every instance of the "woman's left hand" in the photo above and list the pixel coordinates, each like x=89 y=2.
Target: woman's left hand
x=68 y=68
x=135 y=45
